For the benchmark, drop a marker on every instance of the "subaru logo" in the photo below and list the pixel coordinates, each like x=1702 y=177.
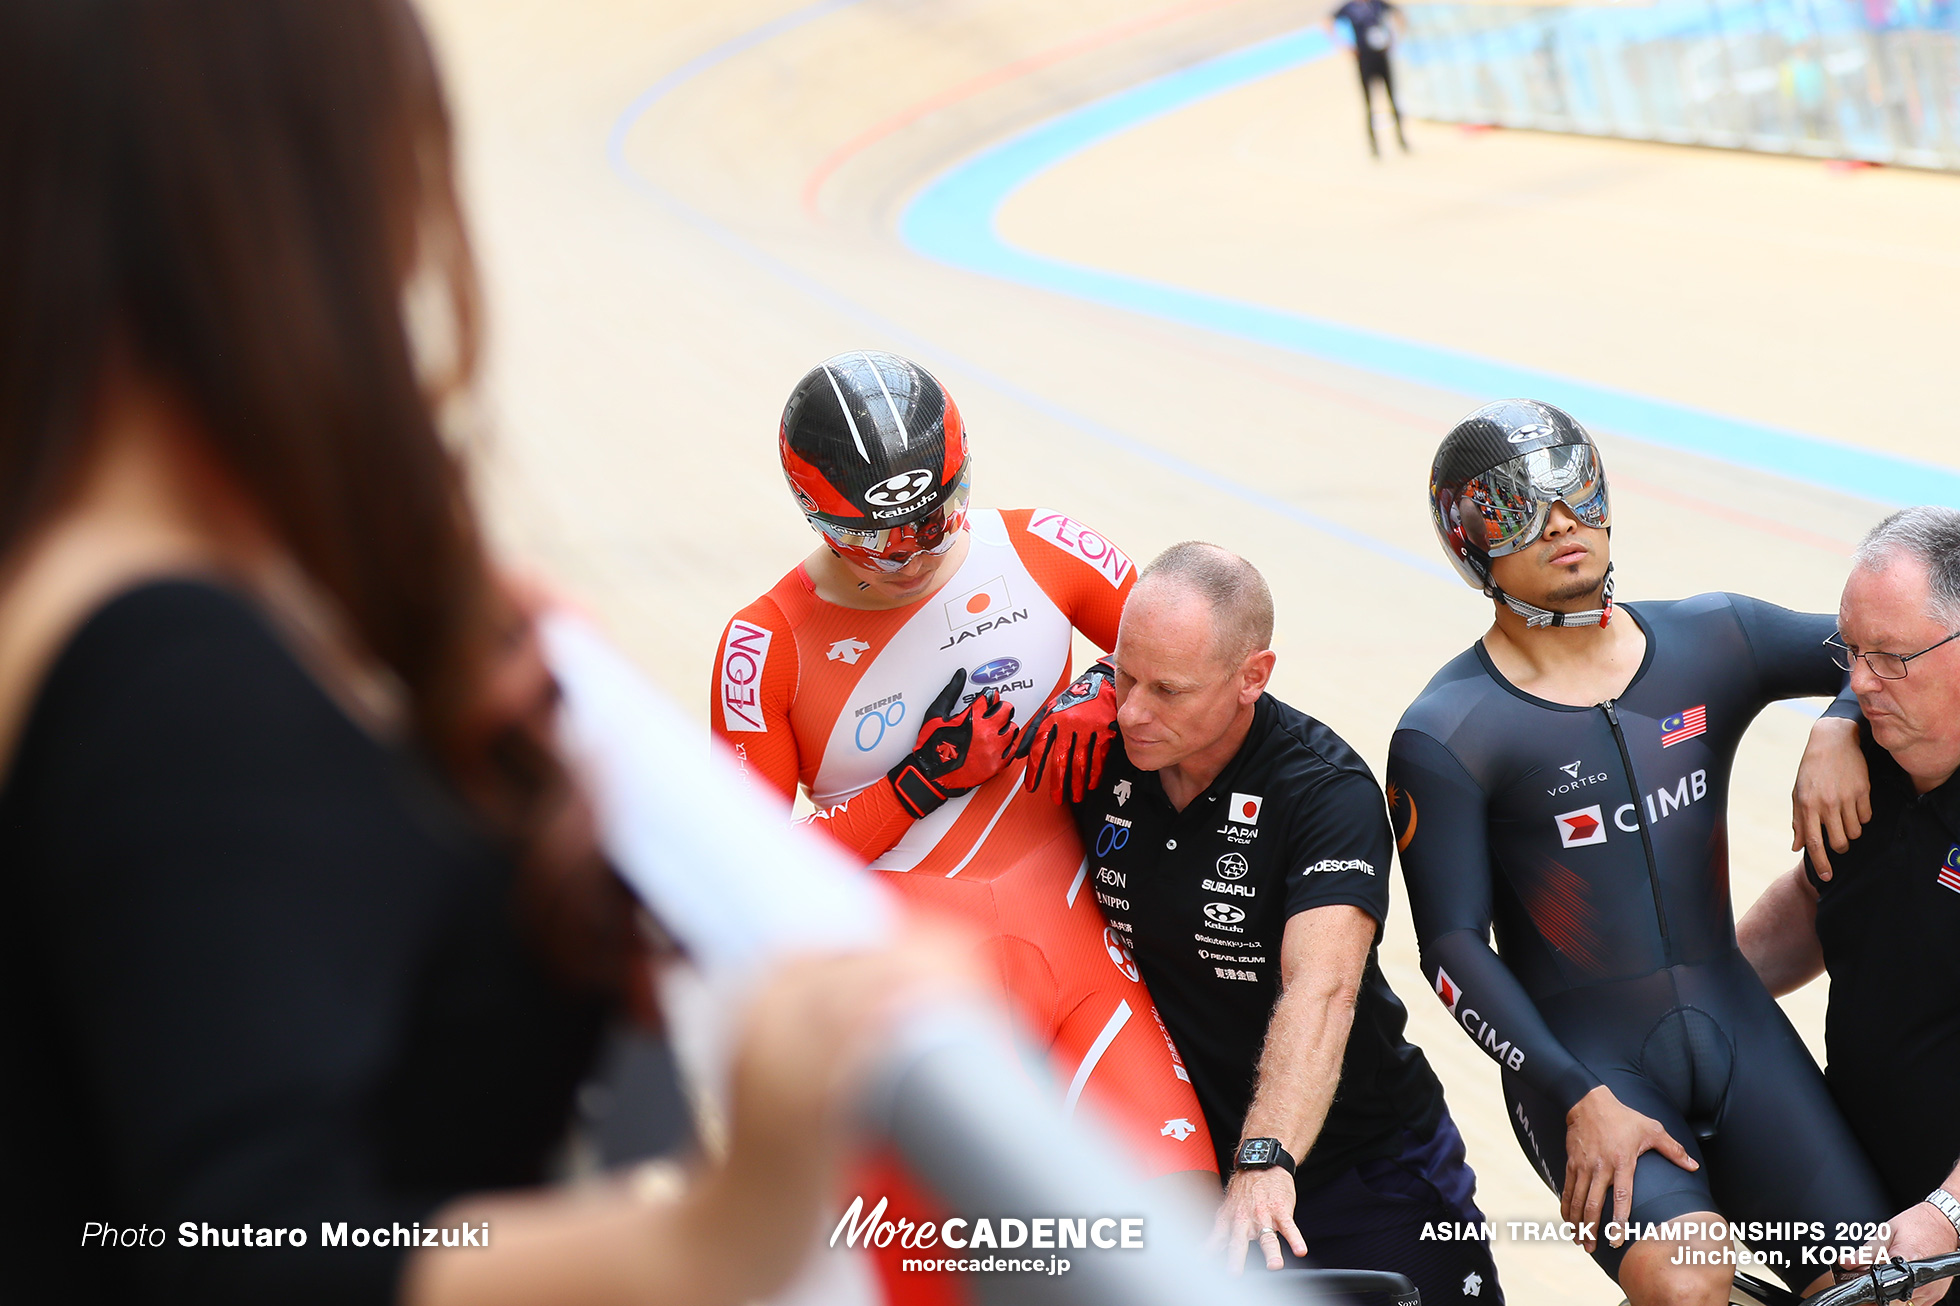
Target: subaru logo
x=996 y=671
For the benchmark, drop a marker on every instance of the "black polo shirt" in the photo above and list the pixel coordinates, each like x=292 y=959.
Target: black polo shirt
x=1202 y=897
x=1889 y=920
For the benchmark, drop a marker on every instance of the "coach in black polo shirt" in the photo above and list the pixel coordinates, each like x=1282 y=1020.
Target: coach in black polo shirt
x=1242 y=851
x=1884 y=915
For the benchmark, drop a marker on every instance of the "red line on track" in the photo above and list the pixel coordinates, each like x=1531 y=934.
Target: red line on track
x=1008 y=72
x=813 y=186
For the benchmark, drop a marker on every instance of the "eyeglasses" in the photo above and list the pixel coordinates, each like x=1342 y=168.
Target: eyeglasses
x=1886 y=666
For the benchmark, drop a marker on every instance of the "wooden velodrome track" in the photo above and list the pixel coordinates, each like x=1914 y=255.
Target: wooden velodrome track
x=681 y=206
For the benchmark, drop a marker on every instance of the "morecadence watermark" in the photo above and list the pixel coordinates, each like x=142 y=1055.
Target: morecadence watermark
x=970 y=1233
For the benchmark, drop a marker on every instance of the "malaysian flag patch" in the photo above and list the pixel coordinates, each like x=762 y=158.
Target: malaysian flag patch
x=1950 y=871
x=1684 y=725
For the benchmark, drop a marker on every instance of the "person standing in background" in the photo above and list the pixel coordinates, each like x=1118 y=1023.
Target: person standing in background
x=1369 y=21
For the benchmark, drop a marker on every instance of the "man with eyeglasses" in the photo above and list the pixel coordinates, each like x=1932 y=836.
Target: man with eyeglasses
x=1884 y=917
x=1565 y=782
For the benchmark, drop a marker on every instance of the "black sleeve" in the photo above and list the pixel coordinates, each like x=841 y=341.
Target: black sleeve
x=233 y=908
x=1339 y=847
x=1446 y=865
x=1792 y=660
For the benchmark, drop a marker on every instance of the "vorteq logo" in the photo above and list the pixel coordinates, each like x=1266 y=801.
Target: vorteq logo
x=1585 y=826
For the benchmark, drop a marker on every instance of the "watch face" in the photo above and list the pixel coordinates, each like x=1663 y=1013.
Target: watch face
x=1256 y=1151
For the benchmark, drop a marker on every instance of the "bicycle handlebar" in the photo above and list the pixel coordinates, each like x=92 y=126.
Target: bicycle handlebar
x=1339 y=1282
x=1895 y=1280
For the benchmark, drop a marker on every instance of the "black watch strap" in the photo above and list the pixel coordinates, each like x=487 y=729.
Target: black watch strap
x=1262 y=1154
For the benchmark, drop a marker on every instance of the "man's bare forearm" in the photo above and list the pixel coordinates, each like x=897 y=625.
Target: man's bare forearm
x=1779 y=934
x=1323 y=956
x=1300 y=1067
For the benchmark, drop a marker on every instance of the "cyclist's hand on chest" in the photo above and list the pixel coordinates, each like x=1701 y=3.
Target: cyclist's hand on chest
x=1074 y=732
x=958 y=750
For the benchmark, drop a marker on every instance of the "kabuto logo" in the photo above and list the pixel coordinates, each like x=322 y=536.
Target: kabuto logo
x=1119 y=954
x=899 y=489
x=996 y=671
x=1223 y=913
x=1531 y=432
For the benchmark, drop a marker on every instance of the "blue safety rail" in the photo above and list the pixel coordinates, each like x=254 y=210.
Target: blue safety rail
x=1876 y=80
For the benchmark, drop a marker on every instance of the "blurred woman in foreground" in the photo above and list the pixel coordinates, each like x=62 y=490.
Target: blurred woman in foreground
x=303 y=921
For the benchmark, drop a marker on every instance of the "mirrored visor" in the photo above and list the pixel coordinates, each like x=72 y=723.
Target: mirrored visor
x=892 y=548
x=1512 y=500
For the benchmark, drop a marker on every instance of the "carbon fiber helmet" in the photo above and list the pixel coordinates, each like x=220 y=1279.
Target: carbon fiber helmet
x=871 y=441
x=1497 y=475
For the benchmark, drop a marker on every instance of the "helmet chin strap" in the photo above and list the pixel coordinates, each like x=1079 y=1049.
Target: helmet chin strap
x=1536 y=616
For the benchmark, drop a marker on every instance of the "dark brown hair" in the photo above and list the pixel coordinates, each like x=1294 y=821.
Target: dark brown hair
x=237 y=195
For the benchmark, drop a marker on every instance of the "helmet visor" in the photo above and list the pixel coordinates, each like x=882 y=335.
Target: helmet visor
x=1513 y=499
x=893 y=548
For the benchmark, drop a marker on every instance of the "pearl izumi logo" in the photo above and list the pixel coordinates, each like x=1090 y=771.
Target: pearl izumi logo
x=899 y=489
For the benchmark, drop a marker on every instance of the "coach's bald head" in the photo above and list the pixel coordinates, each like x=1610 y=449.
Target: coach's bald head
x=1231 y=589
x=1192 y=655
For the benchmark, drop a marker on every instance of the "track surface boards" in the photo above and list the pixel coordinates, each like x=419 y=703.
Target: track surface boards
x=662 y=269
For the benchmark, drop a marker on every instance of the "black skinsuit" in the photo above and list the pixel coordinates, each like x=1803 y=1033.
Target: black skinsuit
x=1595 y=841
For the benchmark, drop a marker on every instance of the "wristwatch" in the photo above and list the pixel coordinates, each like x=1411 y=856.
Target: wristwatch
x=1942 y=1201
x=1265 y=1153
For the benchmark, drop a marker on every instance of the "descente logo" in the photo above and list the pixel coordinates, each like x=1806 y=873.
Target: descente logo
x=1333 y=864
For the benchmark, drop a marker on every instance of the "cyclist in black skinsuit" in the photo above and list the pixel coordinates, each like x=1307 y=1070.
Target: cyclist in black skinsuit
x=1594 y=840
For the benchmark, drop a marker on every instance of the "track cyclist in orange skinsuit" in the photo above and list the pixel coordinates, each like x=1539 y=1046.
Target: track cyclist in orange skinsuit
x=885 y=674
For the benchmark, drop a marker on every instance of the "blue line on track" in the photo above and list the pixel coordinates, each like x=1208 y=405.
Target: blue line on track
x=955 y=220
x=850 y=308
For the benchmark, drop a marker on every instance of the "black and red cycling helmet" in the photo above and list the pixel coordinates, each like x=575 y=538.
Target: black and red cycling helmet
x=875 y=453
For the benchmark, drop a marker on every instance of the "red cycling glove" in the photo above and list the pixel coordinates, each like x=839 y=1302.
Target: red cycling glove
x=955 y=753
x=1074 y=732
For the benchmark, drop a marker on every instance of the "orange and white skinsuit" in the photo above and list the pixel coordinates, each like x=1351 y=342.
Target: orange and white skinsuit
x=830 y=698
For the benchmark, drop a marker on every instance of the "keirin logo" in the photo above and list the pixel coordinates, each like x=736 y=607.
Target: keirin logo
x=902 y=488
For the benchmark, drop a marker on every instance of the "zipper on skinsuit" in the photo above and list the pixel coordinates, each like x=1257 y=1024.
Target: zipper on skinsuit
x=1646 y=836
